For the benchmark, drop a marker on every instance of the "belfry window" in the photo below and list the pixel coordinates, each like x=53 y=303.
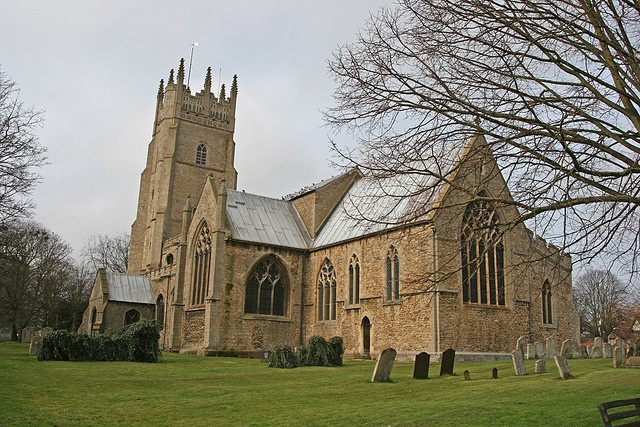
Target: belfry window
x=392 y=290
x=482 y=255
x=327 y=292
x=354 y=280
x=201 y=155
x=265 y=291
x=547 y=318
x=201 y=266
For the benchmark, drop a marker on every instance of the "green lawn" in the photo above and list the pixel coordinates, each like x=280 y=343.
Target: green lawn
x=194 y=391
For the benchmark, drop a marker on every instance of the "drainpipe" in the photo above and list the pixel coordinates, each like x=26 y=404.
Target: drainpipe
x=436 y=317
x=302 y=279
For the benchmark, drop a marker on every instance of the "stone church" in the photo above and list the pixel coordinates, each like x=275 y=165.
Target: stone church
x=223 y=270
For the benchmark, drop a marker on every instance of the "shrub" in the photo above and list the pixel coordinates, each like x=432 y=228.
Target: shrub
x=336 y=350
x=283 y=357
x=317 y=352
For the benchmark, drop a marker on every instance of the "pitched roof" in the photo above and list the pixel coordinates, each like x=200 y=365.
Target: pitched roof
x=260 y=219
x=130 y=288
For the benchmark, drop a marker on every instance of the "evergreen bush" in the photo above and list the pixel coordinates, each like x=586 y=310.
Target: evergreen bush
x=283 y=357
x=336 y=350
x=317 y=352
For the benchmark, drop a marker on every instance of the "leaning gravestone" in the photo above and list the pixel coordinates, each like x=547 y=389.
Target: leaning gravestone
x=618 y=356
x=531 y=351
x=446 y=363
x=521 y=344
x=551 y=347
x=518 y=362
x=563 y=367
x=35 y=346
x=540 y=353
x=607 y=350
x=382 y=371
x=541 y=366
x=421 y=367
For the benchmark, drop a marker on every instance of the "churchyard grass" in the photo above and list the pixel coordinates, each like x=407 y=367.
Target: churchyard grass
x=185 y=390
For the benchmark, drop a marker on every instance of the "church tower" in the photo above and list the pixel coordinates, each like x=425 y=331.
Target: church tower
x=192 y=140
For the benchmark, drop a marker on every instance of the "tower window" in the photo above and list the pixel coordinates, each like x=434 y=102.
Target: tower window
x=201 y=155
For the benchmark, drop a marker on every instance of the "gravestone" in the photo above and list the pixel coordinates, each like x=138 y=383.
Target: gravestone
x=421 y=366
x=583 y=352
x=540 y=353
x=541 y=366
x=494 y=373
x=597 y=342
x=27 y=333
x=521 y=344
x=618 y=356
x=597 y=352
x=620 y=343
x=607 y=350
x=44 y=331
x=632 y=362
x=518 y=362
x=551 y=347
x=35 y=346
x=531 y=351
x=570 y=349
x=467 y=375
x=384 y=364
x=590 y=350
x=563 y=367
x=446 y=362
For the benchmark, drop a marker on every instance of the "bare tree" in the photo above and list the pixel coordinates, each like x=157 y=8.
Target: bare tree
x=106 y=251
x=553 y=85
x=602 y=301
x=20 y=151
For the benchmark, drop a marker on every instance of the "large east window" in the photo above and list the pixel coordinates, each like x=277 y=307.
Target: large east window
x=482 y=255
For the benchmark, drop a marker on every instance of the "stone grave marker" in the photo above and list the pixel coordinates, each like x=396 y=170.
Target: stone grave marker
x=384 y=364
x=597 y=352
x=618 y=356
x=632 y=362
x=421 y=366
x=494 y=373
x=607 y=350
x=570 y=349
x=27 y=333
x=531 y=351
x=35 y=346
x=590 y=350
x=467 y=375
x=620 y=343
x=518 y=362
x=563 y=367
x=521 y=344
x=541 y=366
x=551 y=347
x=540 y=353
x=446 y=363
x=584 y=352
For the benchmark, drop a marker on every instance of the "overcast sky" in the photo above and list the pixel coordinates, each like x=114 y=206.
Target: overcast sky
x=95 y=66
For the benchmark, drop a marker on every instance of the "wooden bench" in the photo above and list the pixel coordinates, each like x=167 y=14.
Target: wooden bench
x=622 y=413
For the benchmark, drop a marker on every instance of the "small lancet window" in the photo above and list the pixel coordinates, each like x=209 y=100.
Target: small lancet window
x=201 y=155
x=354 y=280
x=547 y=318
x=393 y=275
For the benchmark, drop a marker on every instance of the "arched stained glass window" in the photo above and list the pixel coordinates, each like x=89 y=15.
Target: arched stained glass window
x=327 y=292
x=201 y=266
x=265 y=291
x=482 y=255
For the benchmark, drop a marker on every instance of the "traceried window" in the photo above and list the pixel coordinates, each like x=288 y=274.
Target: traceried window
x=393 y=275
x=327 y=292
x=201 y=155
x=547 y=318
x=131 y=316
x=265 y=291
x=482 y=255
x=201 y=266
x=354 y=280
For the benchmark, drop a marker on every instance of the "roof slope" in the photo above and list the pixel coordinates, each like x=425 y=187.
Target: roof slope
x=260 y=219
x=129 y=288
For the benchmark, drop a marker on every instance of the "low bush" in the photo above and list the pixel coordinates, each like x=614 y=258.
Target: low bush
x=283 y=357
x=136 y=343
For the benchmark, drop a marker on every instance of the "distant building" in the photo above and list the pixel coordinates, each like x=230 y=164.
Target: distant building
x=233 y=270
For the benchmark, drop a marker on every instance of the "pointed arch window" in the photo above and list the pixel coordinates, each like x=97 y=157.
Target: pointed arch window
x=265 y=291
x=201 y=266
x=482 y=255
x=392 y=290
x=201 y=155
x=354 y=280
x=327 y=292
x=160 y=311
x=131 y=316
x=547 y=318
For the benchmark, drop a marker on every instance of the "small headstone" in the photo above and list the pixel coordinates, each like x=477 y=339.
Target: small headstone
x=494 y=373
x=620 y=343
x=521 y=344
x=597 y=342
x=611 y=338
x=531 y=351
x=590 y=350
x=27 y=333
x=35 y=346
x=518 y=362
x=384 y=364
x=570 y=349
x=618 y=356
x=597 y=352
x=421 y=366
x=446 y=363
x=583 y=352
x=563 y=367
x=540 y=353
x=467 y=375
x=541 y=366
x=551 y=347
x=607 y=350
